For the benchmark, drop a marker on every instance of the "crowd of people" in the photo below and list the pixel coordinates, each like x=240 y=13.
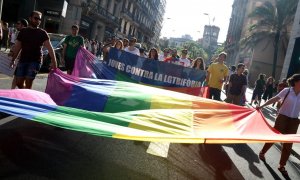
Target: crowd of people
x=233 y=80
x=8 y=35
x=26 y=43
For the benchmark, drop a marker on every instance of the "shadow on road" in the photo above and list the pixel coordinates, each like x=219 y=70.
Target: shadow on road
x=32 y=152
x=42 y=152
x=215 y=156
x=273 y=173
x=251 y=157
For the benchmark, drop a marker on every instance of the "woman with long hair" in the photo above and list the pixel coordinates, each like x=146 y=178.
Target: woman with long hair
x=119 y=45
x=268 y=93
x=198 y=63
x=287 y=120
x=153 y=54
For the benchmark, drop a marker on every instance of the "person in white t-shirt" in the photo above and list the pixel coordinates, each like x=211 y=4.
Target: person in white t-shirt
x=131 y=48
x=164 y=56
x=287 y=120
x=183 y=60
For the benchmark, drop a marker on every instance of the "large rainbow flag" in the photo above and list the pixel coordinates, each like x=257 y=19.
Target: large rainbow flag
x=132 y=111
x=124 y=66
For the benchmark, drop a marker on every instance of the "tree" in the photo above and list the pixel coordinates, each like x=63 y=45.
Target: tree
x=195 y=50
x=219 y=50
x=163 y=43
x=273 y=22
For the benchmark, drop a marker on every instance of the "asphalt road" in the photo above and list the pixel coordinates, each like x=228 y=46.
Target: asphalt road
x=29 y=150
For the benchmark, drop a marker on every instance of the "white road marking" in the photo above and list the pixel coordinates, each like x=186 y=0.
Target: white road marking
x=7 y=119
x=159 y=149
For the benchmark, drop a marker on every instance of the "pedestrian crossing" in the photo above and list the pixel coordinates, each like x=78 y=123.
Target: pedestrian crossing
x=7 y=119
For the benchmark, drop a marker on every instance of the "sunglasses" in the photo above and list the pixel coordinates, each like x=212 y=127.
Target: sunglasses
x=37 y=18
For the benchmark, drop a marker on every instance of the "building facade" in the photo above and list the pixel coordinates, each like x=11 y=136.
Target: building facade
x=292 y=59
x=210 y=37
x=98 y=19
x=235 y=30
x=258 y=59
x=142 y=19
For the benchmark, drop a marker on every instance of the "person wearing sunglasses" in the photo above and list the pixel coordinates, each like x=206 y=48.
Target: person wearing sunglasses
x=30 y=41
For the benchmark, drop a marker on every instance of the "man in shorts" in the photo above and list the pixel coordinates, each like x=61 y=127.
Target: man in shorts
x=31 y=40
x=71 y=45
x=22 y=23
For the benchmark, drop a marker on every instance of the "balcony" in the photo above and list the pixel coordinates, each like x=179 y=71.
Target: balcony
x=93 y=9
x=127 y=14
x=146 y=30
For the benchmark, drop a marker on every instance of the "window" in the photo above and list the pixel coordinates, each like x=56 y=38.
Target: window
x=107 y=5
x=115 y=9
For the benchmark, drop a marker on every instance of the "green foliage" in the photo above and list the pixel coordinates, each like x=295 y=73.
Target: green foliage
x=219 y=50
x=163 y=43
x=195 y=50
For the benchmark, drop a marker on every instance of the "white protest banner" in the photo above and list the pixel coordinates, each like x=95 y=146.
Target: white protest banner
x=5 y=65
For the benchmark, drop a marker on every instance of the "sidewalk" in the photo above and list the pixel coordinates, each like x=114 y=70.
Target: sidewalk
x=270 y=114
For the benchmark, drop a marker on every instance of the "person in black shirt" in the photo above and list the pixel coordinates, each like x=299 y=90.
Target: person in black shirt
x=260 y=86
x=268 y=93
x=237 y=86
x=31 y=40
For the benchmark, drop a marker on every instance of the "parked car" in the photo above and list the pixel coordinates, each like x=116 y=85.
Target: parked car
x=56 y=41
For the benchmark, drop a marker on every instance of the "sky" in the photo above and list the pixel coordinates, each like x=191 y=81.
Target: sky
x=187 y=17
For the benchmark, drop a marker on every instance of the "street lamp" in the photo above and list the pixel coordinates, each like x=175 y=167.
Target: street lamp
x=209 y=37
